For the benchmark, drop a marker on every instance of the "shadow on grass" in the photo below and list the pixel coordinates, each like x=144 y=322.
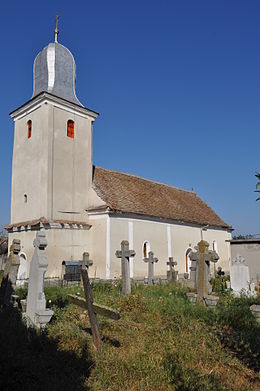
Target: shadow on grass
x=31 y=361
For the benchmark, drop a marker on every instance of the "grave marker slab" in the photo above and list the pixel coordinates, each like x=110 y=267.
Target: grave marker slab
x=239 y=277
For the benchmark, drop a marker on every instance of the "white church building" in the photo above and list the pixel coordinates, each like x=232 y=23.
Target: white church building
x=81 y=207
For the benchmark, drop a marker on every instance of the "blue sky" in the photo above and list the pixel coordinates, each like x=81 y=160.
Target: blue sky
x=176 y=84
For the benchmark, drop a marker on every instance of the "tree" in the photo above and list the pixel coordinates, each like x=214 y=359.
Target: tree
x=257 y=175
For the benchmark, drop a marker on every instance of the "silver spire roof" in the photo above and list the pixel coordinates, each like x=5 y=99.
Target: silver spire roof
x=54 y=71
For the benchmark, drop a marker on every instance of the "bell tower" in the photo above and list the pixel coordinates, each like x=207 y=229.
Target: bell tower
x=52 y=153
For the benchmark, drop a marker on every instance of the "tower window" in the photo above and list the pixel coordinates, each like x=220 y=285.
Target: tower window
x=70 y=128
x=25 y=198
x=29 y=129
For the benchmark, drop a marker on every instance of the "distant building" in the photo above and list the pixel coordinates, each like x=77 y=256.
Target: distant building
x=55 y=187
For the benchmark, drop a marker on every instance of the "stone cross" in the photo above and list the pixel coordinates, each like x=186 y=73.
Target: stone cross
x=171 y=274
x=13 y=261
x=10 y=272
x=151 y=261
x=125 y=254
x=36 y=311
x=200 y=269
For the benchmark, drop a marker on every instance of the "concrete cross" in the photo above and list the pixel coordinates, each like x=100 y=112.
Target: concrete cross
x=36 y=311
x=125 y=254
x=171 y=274
x=201 y=259
x=151 y=261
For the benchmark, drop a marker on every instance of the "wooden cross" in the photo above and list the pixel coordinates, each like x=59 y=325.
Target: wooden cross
x=151 y=261
x=171 y=263
x=86 y=261
x=125 y=254
x=91 y=313
x=93 y=308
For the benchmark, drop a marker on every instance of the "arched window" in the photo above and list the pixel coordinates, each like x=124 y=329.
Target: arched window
x=70 y=128
x=146 y=249
x=188 y=262
x=25 y=198
x=215 y=246
x=29 y=129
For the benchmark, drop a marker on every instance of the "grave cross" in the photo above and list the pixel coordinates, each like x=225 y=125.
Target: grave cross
x=86 y=261
x=125 y=254
x=10 y=272
x=151 y=260
x=202 y=258
x=171 y=274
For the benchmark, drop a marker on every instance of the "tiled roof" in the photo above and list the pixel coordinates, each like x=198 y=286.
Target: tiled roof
x=44 y=221
x=131 y=194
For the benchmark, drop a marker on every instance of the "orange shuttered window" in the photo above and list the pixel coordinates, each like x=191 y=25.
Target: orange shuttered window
x=70 y=128
x=29 y=128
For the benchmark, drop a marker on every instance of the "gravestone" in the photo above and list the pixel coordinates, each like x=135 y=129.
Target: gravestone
x=125 y=254
x=171 y=273
x=239 y=277
x=10 y=272
x=151 y=260
x=13 y=261
x=36 y=311
x=200 y=269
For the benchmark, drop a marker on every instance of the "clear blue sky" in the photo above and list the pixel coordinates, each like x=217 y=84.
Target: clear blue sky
x=176 y=84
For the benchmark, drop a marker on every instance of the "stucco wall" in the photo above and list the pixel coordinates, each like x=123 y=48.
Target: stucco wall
x=165 y=240
x=63 y=244
x=55 y=171
x=251 y=253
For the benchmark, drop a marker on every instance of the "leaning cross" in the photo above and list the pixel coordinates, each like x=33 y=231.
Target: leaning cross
x=151 y=260
x=171 y=263
x=86 y=261
x=125 y=254
x=89 y=300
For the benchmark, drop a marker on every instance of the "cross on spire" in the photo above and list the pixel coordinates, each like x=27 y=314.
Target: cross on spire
x=56 y=31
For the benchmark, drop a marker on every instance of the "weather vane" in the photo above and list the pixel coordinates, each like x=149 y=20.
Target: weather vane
x=56 y=31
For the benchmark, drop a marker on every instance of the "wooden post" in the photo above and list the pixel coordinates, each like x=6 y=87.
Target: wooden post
x=91 y=313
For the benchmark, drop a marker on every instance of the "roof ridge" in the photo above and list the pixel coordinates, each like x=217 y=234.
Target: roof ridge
x=148 y=180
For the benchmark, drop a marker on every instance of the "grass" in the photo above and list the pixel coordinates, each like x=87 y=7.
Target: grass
x=161 y=342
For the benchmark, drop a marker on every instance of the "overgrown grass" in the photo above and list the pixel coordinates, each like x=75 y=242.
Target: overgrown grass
x=161 y=342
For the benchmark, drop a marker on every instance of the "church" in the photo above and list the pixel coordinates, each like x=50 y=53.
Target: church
x=82 y=207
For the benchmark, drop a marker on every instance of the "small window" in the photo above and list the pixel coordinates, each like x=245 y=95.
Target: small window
x=29 y=129
x=25 y=198
x=146 y=249
x=70 y=128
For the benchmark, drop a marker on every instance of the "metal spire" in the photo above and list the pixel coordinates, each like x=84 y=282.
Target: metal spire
x=56 y=31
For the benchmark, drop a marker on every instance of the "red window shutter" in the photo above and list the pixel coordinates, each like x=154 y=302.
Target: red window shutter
x=70 y=128
x=29 y=128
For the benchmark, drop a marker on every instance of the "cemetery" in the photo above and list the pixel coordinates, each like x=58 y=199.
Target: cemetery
x=109 y=280
x=177 y=333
